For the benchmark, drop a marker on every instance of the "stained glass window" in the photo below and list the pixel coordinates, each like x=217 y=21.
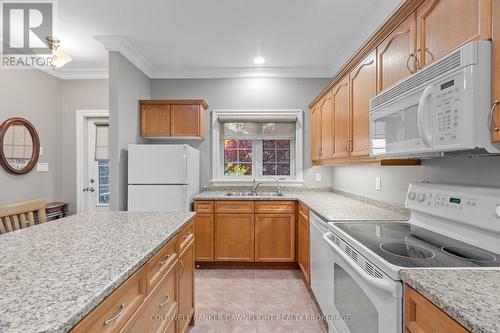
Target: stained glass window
x=276 y=157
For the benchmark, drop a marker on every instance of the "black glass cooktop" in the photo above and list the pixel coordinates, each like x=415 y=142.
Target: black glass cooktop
x=407 y=245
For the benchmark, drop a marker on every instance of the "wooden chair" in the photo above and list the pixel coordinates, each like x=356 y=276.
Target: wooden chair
x=21 y=215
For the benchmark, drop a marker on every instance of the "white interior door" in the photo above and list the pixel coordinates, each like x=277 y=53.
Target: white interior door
x=95 y=181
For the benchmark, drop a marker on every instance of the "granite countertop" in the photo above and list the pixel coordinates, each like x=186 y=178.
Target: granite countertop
x=331 y=206
x=55 y=273
x=469 y=296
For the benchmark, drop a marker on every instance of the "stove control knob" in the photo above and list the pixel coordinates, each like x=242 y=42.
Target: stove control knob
x=421 y=197
x=497 y=211
x=411 y=196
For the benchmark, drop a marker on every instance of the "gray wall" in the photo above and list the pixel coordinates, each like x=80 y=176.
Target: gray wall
x=395 y=180
x=127 y=85
x=50 y=104
x=247 y=94
x=36 y=96
x=76 y=95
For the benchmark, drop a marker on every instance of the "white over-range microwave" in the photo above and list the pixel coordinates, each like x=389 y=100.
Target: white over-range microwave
x=445 y=109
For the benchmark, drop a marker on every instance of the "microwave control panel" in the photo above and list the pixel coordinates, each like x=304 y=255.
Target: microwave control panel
x=447 y=111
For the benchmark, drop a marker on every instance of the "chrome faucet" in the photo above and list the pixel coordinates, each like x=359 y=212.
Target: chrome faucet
x=278 y=188
x=254 y=187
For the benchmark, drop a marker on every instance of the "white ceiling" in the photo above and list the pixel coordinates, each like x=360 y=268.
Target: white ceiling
x=219 y=38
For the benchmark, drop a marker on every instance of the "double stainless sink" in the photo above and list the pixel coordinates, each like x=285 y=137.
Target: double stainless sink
x=254 y=194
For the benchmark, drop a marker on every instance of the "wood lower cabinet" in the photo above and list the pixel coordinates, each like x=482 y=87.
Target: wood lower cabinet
x=185 y=268
x=246 y=231
x=204 y=238
x=303 y=253
x=445 y=25
x=159 y=308
x=274 y=237
x=396 y=54
x=234 y=237
x=159 y=297
x=421 y=316
x=172 y=118
x=363 y=85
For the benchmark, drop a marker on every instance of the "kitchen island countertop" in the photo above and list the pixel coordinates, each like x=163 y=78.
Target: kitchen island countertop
x=54 y=274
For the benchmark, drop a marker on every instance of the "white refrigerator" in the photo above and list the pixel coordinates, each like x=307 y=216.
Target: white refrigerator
x=162 y=178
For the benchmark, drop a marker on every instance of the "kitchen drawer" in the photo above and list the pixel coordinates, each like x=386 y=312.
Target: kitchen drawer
x=204 y=207
x=304 y=210
x=421 y=316
x=158 y=310
x=185 y=237
x=235 y=207
x=112 y=314
x=275 y=207
x=160 y=263
x=172 y=326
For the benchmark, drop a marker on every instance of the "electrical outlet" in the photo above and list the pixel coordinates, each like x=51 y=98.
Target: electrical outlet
x=318 y=177
x=378 y=183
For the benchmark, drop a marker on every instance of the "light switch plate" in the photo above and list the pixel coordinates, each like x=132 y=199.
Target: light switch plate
x=378 y=183
x=42 y=167
x=318 y=177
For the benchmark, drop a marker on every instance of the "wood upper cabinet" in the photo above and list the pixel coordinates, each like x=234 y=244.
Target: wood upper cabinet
x=172 y=118
x=444 y=25
x=185 y=267
x=325 y=106
x=275 y=237
x=303 y=252
x=316 y=133
x=341 y=116
x=234 y=237
x=421 y=316
x=396 y=54
x=363 y=86
x=155 y=120
x=496 y=70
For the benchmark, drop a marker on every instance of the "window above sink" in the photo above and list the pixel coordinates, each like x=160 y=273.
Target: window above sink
x=257 y=144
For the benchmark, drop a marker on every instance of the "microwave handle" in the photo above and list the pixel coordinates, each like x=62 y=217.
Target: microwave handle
x=421 y=108
x=378 y=283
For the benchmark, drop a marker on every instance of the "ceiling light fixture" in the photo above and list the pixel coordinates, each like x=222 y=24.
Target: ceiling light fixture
x=259 y=61
x=59 y=58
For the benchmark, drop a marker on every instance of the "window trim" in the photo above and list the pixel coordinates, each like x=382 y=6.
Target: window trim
x=218 y=178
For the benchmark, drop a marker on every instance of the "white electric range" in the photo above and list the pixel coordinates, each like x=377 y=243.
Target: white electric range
x=450 y=226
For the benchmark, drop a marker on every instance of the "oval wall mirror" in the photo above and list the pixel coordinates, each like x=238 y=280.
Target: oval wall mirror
x=19 y=146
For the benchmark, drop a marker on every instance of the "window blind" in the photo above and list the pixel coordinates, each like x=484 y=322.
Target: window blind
x=257 y=130
x=101 y=142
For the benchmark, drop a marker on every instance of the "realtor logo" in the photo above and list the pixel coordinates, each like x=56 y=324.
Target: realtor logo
x=25 y=29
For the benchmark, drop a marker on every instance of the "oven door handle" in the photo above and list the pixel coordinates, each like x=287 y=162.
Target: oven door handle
x=420 y=113
x=378 y=283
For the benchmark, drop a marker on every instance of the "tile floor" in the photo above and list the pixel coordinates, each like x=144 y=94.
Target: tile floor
x=253 y=300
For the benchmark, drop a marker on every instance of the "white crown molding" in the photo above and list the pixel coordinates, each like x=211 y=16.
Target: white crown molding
x=77 y=74
x=120 y=44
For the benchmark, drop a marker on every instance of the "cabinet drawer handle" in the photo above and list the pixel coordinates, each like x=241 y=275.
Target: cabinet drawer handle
x=411 y=70
x=164 y=261
x=116 y=316
x=186 y=236
x=492 y=123
x=183 y=269
x=166 y=301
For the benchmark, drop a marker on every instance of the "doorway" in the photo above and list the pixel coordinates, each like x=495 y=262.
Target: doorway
x=92 y=188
